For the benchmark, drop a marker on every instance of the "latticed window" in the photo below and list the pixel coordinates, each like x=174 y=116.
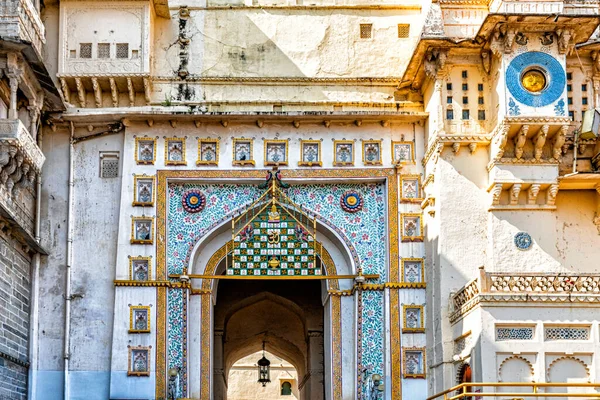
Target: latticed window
x=366 y=31
x=122 y=50
x=103 y=50
x=109 y=165
x=403 y=30
x=85 y=50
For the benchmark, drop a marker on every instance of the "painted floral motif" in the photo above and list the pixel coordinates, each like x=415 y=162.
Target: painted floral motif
x=276 y=153
x=140 y=320
x=140 y=361
x=175 y=150
x=208 y=151
x=142 y=230
x=310 y=152
x=140 y=270
x=402 y=151
x=344 y=153
x=372 y=153
x=412 y=271
x=414 y=362
x=373 y=334
x=410 y=188
x=559 y=108
x=351 y=201
x=243 y=151
x=146 y=151
x=513 y=108
x=145 y=189
x=193 y=201
x=413 y=318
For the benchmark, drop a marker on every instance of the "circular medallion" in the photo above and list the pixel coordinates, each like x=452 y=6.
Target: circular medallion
x=535 y=79
x=523 y=240
x=351 y=201
x=193 y=201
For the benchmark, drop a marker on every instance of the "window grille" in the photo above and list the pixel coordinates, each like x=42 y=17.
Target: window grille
x=366 y=31
x=109 y=165
x=403 y=31
x=85 y=50
x=103 y=50
x=122 y=50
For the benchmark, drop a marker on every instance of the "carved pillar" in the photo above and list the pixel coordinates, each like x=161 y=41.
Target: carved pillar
x=220 y=380
x=14 y=86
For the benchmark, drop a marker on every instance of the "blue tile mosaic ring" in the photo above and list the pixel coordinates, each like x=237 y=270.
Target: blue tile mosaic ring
x=523 y=240
x=555 y=77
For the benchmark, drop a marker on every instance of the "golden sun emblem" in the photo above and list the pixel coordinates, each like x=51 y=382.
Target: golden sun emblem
x=534 y=80
x=351 y=200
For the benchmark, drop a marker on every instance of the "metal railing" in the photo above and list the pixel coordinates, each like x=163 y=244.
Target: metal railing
x=466 y=391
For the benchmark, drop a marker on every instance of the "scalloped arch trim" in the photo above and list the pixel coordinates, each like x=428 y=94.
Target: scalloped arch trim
x=580 y=361
x=515 y=357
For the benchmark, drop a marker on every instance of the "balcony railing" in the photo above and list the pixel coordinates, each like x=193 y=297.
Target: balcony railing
x=20 y=20
x=519 y=390
x=14 y=133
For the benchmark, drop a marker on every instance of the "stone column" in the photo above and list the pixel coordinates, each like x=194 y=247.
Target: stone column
x=313 y=389
x=219 y=378
x=14 y=85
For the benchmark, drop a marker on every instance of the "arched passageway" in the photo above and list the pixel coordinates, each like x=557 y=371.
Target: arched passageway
x=286 y=315
x=242 y=379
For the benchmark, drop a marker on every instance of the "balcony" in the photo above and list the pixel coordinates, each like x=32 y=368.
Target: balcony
x=14 y=134
x=524 y=287
x=19 y=20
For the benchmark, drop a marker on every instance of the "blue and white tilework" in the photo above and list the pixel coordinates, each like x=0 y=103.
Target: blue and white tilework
x=364 y=233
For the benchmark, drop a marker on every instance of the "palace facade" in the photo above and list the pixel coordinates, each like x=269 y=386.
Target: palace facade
x=384 y=200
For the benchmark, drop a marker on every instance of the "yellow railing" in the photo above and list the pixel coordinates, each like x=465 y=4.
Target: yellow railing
x=466 y=391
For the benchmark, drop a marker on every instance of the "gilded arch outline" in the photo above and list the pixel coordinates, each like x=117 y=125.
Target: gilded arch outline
x=389 y=175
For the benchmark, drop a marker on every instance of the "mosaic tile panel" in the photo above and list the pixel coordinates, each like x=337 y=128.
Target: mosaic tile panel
x=364 y=233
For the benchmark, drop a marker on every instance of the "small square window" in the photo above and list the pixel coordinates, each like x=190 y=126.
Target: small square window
x=572 y=115
x=465 y=75
x=480 y=100
x=569 y=76
x=85 y=50
x=366 y=31
x=122 y=50
x=448 y=86
x=449 y=114
x=103 y=50
x=480 y=87
x=465 y=86
x=403 y=31
x=465 y=114
x=569 y=88
x=449 y=100
x=569 y=100
x=481 y=115
x=465 y=100
x=584 y=101
x=584 y=87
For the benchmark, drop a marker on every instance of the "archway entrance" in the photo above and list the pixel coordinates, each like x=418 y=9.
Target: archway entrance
x=288 y=316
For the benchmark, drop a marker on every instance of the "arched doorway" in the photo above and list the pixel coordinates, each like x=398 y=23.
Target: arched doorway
x=285 y=315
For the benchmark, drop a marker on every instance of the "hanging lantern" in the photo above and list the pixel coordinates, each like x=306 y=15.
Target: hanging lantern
x=264 y=374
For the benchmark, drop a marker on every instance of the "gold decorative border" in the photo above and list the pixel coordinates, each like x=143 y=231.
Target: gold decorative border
x=389 y=174
x=205 y=162
x=422 y=269
x=412 y=152
x=130 y=372
x=172 y=162
x=131 y=322
x=303 y=163
x=242 y=162
x=136 y=178
x=140 y=258
x=419 y=197
x=279 y=141
x=145 y=139
x=342 y=163
x=406 y=375
x=364 y=148
x=405 y=238
x=406 y=329
x=133 y=240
